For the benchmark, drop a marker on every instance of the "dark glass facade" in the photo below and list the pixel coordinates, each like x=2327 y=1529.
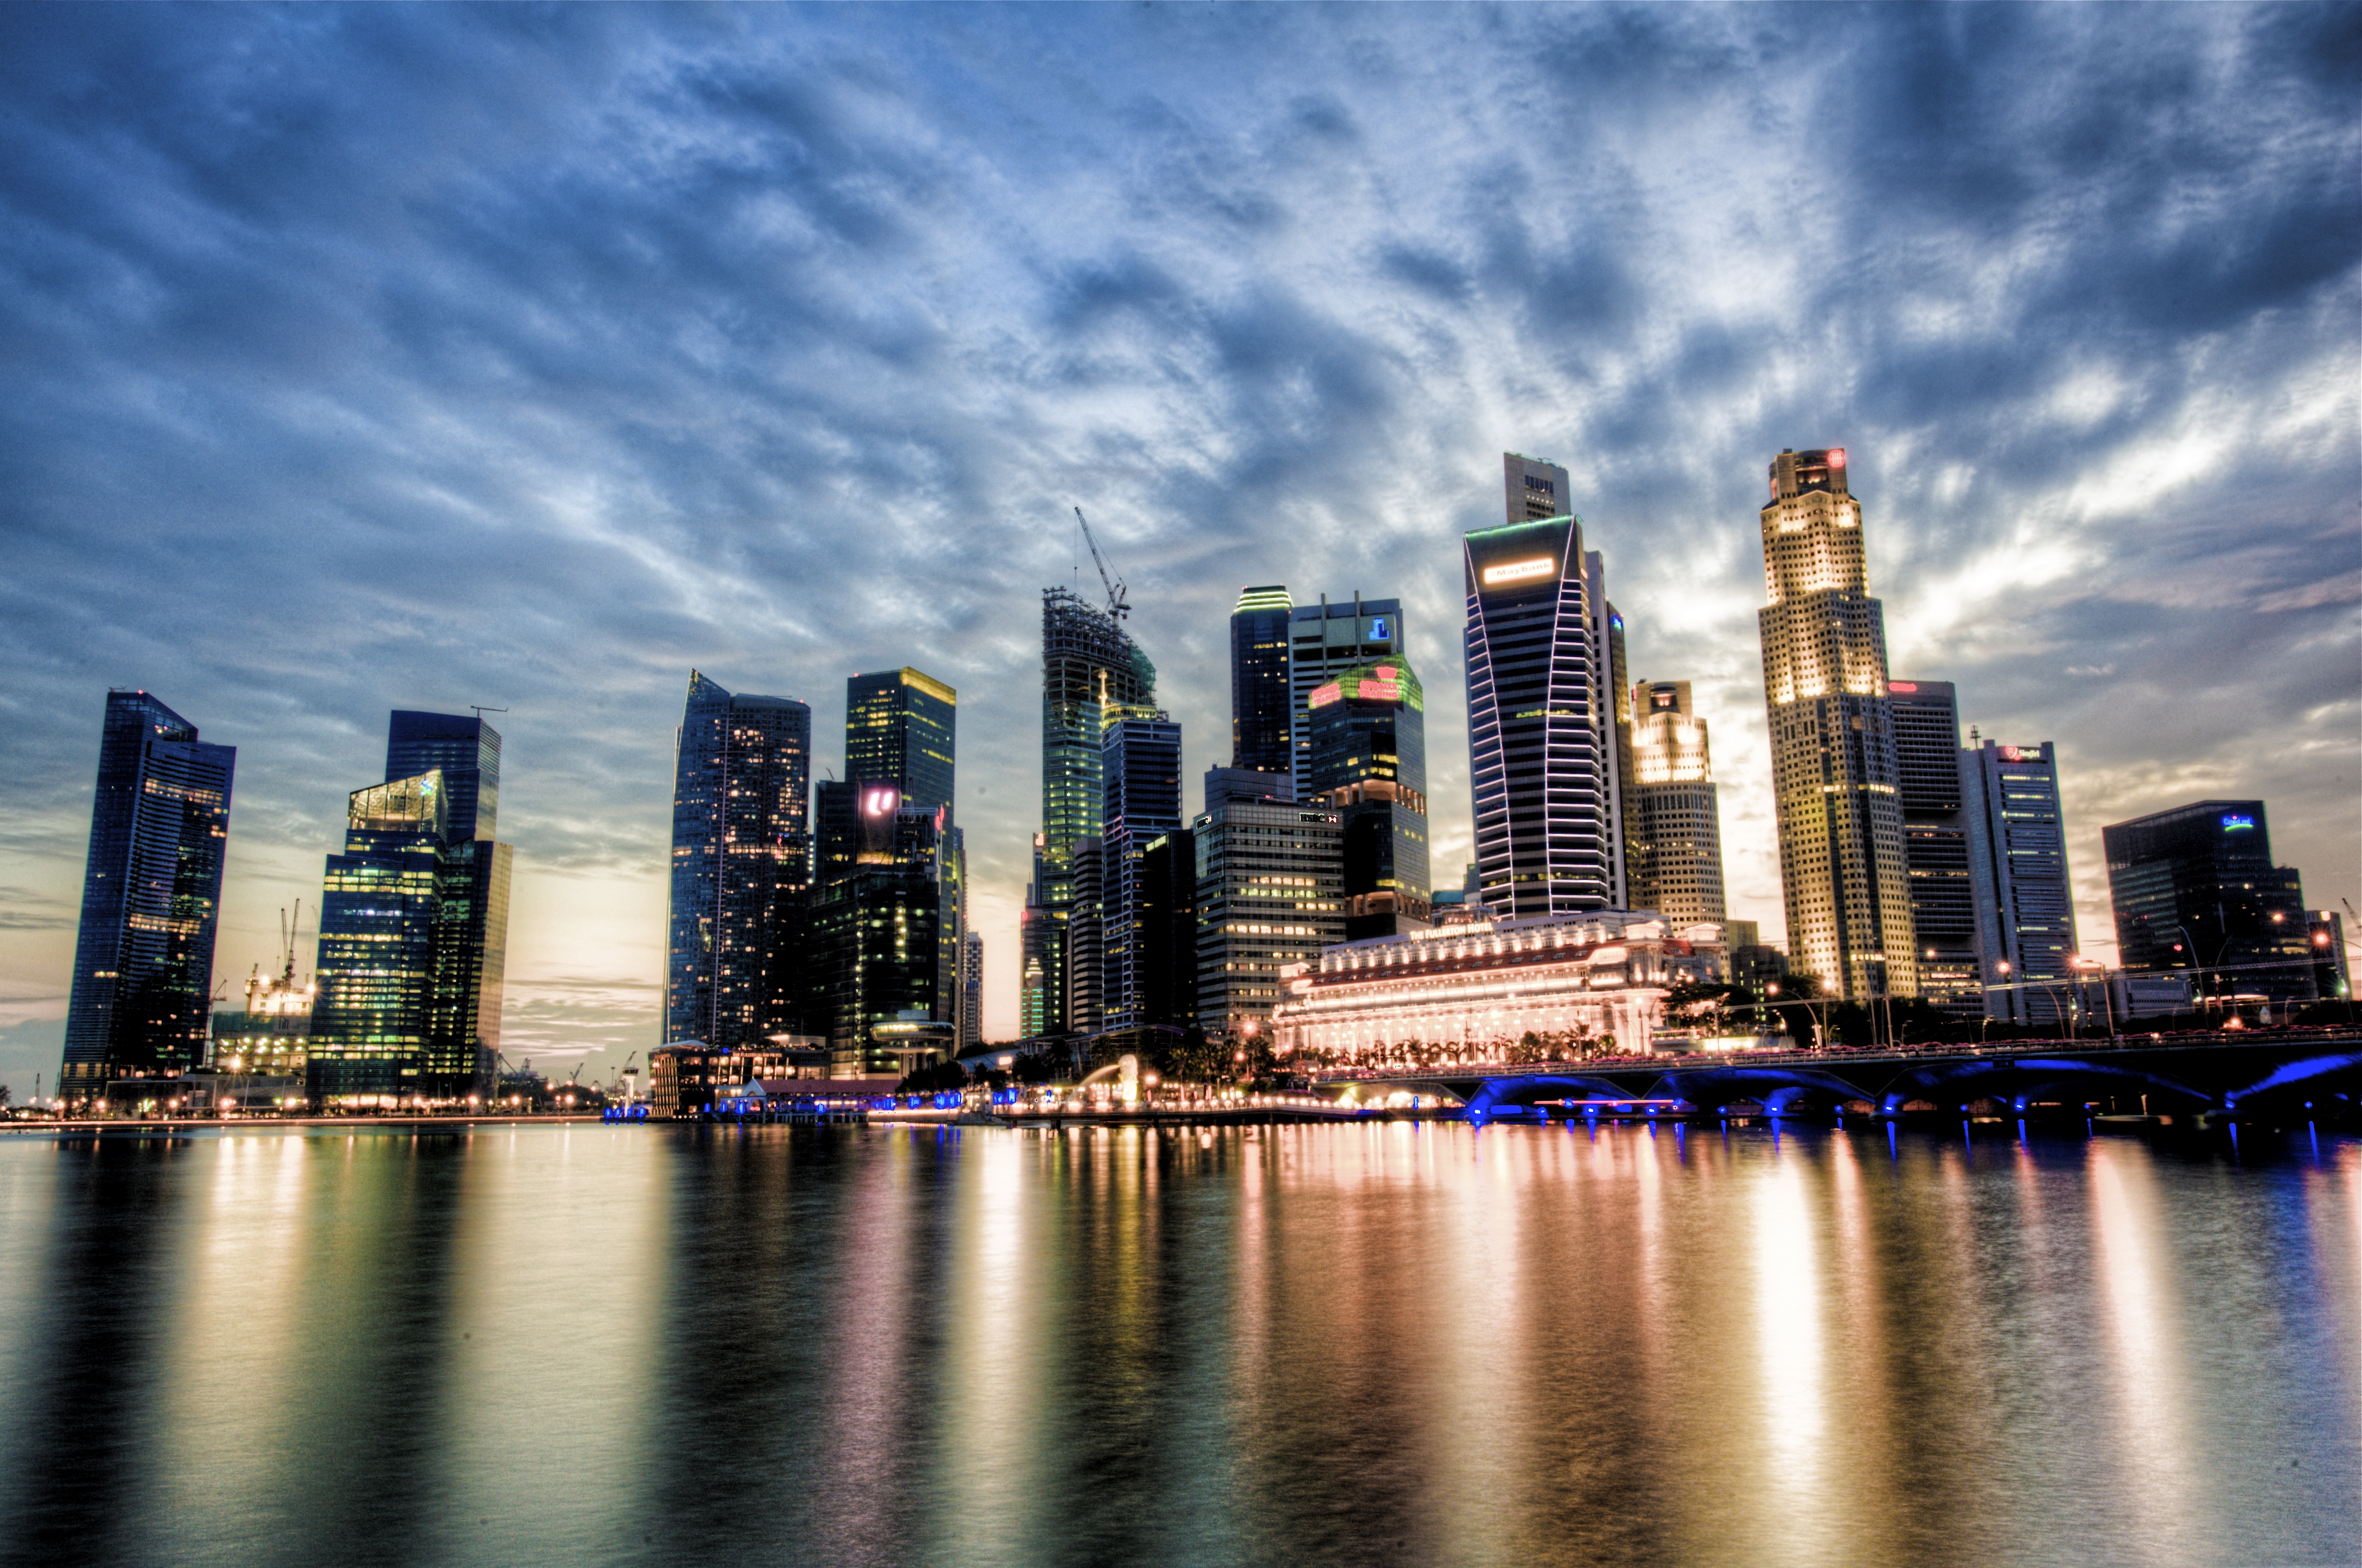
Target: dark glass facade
x=1261 y=733
x=2195 y=888
x=741 y=868
x=1324 y=641
x=1369 y=765
x=1928 y=764
x=889 y=938
x=465 y=750
x=901 y=728
x=1167 y=912
x=152 y=898
x=1140 y=761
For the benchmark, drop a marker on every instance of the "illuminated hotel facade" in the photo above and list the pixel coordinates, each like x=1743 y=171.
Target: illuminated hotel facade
x=1673 y=822
x=1834 y=771
x=1542 y=736
x=1604 y=974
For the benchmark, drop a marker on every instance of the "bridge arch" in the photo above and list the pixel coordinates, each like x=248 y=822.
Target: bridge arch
x=2016 y=1081
x=2308 y=1077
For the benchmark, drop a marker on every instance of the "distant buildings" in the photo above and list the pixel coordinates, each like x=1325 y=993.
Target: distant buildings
x=1324 y=641
x=413 y=926
x=2195 y=890
x=1368 y=764
x=971 y=1018
x=1833 y=764
x=1140 y=763
x=741 y=864
x=1930 y=767
x=1261 y=725
x=1542 y=709
x=2017 y=862
x=152 y=895
x=1672 y=823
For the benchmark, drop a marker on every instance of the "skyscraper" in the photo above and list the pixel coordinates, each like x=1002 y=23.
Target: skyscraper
x=1833 y=765
x=887 y=940
x=1270 y=893
x=971 y=1018
x=1673 y=821
x=1930 y=767
x=1089 y=663
x=741 y=867
x=901 y=727
x=1369 y=765
x=413 y=928
x=1262 y=732
x=143 y=970
x=1541 y=712
x=2024 y=903
x=1141 y=765
x=2195 y=888
x=1324 y=641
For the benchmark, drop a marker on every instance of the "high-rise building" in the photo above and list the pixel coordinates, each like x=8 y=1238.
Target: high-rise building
x=901 y=728
x=1833 y=765
x=1141 y=765
x=413 y=925
x=1324 y=641
x=887 y=940
x=2023 y=903
x=1261 y=725
x=1089 y=664
x=2195 y=888
x=971 y=1018
x=1166 y=918
x=1930 y=767
x=1673 y=821
x=1270 y=893
x=1542 y=737
x=1369 y=766
x=741 y=868
x=143 y=974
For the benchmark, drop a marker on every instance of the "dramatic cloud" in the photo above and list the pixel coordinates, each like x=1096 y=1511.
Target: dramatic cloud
x=374 y=356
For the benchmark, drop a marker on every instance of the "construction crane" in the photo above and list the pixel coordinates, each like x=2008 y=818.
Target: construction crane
x=1115 y=589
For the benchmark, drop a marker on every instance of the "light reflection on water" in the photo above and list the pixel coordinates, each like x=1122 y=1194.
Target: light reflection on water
x=1336 y=1344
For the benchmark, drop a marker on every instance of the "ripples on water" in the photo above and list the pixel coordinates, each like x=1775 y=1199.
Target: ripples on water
x=1298 y=1345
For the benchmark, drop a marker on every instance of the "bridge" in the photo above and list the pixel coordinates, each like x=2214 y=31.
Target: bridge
x=2285 y=1076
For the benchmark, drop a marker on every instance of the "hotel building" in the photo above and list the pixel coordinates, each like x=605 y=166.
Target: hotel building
x=1673 y=825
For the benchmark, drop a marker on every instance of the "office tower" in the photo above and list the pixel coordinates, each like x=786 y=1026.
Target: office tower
x=1541 y=726
x=1270 y=893
x=971 y=1018
x=2324 y=932
x=1534 y=490
x=1165 y=918
x=143 y=973
x=1324 y=641
x=1088 y=665
x=1261 y=725
x=1673 y=821
x=900 y=727
x=1369 y=765
x=2017 y=866
x=1833 y=766
x=1247 y=784
x=1086 y=937
x=465 y=749
x=886 y=941
x=2195 y=888
x=741 y=867
x=1141 y=765
x=1928 y=768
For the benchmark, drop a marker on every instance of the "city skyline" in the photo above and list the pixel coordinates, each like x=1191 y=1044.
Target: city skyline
x=2097 y=542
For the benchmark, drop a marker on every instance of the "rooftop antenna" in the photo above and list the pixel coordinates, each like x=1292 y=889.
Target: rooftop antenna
x=480 y=710
x=1117 y=608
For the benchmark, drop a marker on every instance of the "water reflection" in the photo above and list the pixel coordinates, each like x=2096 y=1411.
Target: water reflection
x=1342 y=1344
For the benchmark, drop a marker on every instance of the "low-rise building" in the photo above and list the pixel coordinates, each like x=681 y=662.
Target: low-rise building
x=1601 y=975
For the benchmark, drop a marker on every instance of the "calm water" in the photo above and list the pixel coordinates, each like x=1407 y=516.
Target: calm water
x=1331 y=1344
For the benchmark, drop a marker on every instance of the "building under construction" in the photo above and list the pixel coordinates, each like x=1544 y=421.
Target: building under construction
x=1089 y=667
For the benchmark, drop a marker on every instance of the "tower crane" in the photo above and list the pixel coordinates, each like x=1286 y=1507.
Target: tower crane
x=1114 y=585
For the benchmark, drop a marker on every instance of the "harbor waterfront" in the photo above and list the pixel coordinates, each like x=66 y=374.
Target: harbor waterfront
x=1406 y=1342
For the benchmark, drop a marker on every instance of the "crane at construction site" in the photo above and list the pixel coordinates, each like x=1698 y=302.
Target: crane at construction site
x=1117 y=608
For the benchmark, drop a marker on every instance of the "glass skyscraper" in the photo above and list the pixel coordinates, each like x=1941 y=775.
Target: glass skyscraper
x=901 y=727
x=2024 y=905
x=1542 y=736
x=1672 y=820
x=2195 y=890
x=151 y=896
x=1369 y=766
x=1262 y=726
x=1929 y=768
x=414 y=924
x=1833 y=766
x=1324 y=641
x=741 y=868
x=1141 y=765
x=1089 y=664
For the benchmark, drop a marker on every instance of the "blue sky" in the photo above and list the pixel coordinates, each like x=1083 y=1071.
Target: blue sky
x=386 y=357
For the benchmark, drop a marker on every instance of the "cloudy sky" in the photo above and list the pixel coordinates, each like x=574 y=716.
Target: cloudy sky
x=374 y=358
